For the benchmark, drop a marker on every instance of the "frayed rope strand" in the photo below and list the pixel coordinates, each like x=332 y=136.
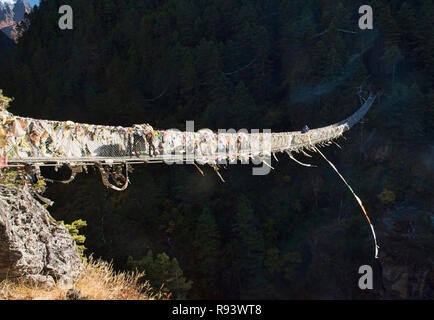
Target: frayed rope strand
x=358 y=200
x=198 y=169
x=299 y=162
x=265 y=162
x=216 y=169
x=220 y=176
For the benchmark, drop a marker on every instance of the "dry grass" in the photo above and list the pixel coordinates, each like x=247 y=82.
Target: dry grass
x=98 y=282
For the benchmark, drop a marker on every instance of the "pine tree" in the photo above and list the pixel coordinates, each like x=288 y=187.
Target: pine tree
x=162 y=271
x=425 y=47
x=248 y=246
x=207 y=251
x=244 y=112
x=389 y=27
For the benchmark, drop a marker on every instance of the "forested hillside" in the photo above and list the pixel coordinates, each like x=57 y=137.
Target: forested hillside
x=296 y=233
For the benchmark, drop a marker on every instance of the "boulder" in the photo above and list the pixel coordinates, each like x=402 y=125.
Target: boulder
x=32 y=245
x=44 y=282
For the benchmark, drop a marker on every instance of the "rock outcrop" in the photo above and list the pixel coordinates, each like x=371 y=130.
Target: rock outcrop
x=32 y=245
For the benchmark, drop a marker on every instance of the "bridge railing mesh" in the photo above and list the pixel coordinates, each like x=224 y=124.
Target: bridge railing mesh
x=31 y=140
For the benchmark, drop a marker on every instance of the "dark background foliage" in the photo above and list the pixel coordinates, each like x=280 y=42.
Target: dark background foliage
x=296 y=233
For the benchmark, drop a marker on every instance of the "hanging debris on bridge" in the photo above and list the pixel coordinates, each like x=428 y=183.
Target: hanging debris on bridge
x=25 y=141
x=31 y=143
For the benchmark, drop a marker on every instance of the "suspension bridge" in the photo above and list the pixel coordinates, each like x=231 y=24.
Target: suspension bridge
x=32 y=143
x=27 y=141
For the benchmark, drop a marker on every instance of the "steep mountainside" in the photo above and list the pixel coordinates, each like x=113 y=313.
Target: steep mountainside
x=11 y=14
x=6 y=14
